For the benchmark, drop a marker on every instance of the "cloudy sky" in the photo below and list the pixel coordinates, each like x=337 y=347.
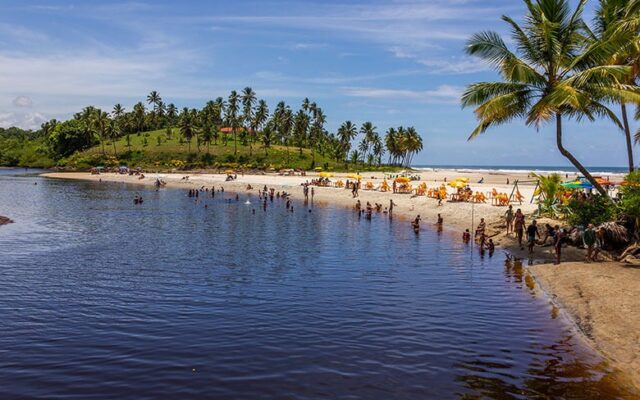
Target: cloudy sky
x=392 y=62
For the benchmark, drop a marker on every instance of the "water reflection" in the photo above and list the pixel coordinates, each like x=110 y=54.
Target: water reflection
x=103 y=299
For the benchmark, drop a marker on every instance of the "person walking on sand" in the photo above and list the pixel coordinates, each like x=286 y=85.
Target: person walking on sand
x=518 y=224
x=508 y=216
x=532 y=232
x=589 y=239
x=557 y=243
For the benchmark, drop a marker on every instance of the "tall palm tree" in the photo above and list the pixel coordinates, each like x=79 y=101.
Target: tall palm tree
x=186 y=126
x=301 y=128
x=154 y=99
x=548 y=77
x=118 y=111
x=260 y=118
x=172 y=114
x=231 y=117
x=346 y=133
x=611 y=23
x=113 y=132
x=368 y=130
x=317 y=129
x=101 y=124
x=139 y=114
x=248 y=101
x=378 y=148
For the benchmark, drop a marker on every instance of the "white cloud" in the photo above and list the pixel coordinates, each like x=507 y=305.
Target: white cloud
x=31 y=120
x=444 y=94
x=22 y=101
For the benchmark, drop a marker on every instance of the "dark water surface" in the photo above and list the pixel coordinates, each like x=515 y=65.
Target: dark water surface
x=100 y=299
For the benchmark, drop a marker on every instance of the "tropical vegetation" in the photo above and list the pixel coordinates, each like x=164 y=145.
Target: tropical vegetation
x=559 y=68
x=240 y=129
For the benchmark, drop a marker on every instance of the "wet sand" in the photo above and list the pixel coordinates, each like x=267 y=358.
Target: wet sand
x=602 y=299
x=604 y=302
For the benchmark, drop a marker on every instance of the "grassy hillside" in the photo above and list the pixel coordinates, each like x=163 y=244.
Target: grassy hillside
x=154 y=150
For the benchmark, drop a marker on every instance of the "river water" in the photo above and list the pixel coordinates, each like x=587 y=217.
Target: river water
x=102 y=299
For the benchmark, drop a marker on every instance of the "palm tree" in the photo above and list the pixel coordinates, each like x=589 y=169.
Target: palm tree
x=101 y=124
x=346 y=133
x=113 y=132
x=412 y=145
x=317 y=129
x=248 y=101
x=154 y=99
x=231 y=117
x=378 y=148
x=368 y=131
x=139 y=114
x=186 y=126
x=260 y=118
x=611 y=16
x=118 y=111
x=172 y=113
x=548 y=77
x=301 y=127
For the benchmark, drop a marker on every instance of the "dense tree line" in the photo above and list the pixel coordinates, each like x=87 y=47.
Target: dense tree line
x=240 y=119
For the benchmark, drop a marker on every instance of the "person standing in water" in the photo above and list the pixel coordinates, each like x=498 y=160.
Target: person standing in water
x=416 y=224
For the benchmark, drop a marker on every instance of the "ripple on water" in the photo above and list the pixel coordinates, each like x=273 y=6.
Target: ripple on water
x=101 y=299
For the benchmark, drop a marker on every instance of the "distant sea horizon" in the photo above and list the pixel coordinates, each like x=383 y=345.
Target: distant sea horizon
x=595 y=170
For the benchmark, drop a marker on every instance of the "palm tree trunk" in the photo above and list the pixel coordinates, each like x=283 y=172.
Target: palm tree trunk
x=114 y=149
x=235 y=142
x=573 y=160
x=627 y=134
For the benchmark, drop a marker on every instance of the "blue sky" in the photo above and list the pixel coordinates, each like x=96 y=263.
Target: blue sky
x=393 y=63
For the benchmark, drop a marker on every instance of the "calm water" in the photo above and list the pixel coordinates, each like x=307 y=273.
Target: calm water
x=103 y=299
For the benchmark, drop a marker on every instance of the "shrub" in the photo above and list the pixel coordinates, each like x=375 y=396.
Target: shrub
x=595 y=210
x=630 y=203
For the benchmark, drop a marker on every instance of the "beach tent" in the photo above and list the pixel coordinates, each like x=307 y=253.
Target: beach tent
x=577 y=184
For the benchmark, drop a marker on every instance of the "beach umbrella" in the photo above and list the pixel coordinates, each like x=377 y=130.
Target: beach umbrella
x=403 y=179
x=457 y=184
x=462 y=179
x=326 y=174
x=318 y=169
x=229 y=172
x=354 y=176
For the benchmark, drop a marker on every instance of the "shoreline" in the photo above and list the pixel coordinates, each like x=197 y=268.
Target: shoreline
x=613 y=338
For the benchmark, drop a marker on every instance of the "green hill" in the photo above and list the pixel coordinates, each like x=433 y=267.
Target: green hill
x=155 y=150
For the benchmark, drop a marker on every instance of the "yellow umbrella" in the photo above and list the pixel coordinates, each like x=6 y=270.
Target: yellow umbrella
x=318 y=169
x=403 y=179
x=325 y=174
x=354 y=176
x=457 y=184
x=462 y=179
x=229 y=172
